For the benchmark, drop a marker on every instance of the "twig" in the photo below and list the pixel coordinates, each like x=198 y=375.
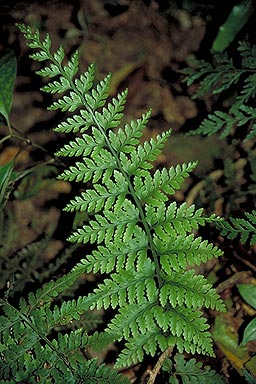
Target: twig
x=233 y=280
x=157 y=367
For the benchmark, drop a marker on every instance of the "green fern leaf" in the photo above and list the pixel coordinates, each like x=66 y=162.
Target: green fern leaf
x=176 y=253
x=127 y=253
x=51 y=71
x=144 y=243
x=93 y=200
x=102 y=166
x=214 y=123
x=245 y=228
x=67 y=103
x=124 y=287
x=196 y=70
x=125 y=139
x=186 y=288
x=154 y=189
x=72 y=66
x=248 y=54
x=57 y=86
x=192 y=372
x=75 y=124
x=144 y=155
x=99 y=95
x=111 y=116
x=114 y=222
x=248 y=91
x=219 y=77
x=83 y=145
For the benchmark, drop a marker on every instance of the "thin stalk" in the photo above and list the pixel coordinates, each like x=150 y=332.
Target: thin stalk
x=153 y=374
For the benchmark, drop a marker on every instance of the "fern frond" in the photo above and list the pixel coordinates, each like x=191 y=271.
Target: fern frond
x=125 y=287
x=219 y=77
x=214 y=123
x=22 y=265
x=142 y=242
x=83 y=145
x=195 y=71
x=154 y=338
x=193 y=372
x=72 y=124
x=248 y=54
x=28 y=353
x=186 y=288
x=99 y=94
x=134 y=348
x=57 y=86
x=216 y=78
x=67 y=103
x=111 y=116
x=51 y=290
x=173 y=220
x=103 y=374
x=97 y=341
x=244 y=228
x=248 y=91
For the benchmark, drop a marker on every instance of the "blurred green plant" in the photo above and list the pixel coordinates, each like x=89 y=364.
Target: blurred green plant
x=213 y=80
x=248 y=293
x=245 y=228
x=8 y=69
x=237 y=18
x=232 y=87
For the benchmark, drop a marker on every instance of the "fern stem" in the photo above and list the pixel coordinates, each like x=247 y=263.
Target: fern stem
x=158 y=366
x=150 y=239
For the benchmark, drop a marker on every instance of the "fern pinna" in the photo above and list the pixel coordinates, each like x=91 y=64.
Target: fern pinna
x=144 y=242
x=220 y=76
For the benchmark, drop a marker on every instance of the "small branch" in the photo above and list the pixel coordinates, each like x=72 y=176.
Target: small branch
x=233 y=280
x=158 y=366
x=5 y=139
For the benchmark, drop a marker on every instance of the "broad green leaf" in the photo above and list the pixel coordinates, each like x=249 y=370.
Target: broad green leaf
x=237 y=18
x=248 y=293
x=227 y=341
x=249 y=332
x=5 y=178
x=8 y=68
